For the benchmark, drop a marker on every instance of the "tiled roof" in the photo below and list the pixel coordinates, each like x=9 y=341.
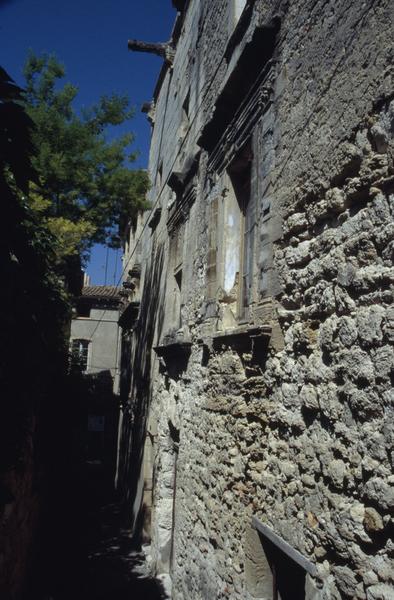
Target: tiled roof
x=110 y=292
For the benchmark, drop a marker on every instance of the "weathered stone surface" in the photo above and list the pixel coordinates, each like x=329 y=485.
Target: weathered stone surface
x=346 y=581
x=381 y=492
x=380 y=592
x=298 y=431
x=372 y=520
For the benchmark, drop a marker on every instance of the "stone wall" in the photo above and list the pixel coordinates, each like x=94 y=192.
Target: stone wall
x=279 y=409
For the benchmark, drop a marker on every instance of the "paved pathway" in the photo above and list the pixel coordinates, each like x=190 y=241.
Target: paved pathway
x=92 y=557
x=114 y=570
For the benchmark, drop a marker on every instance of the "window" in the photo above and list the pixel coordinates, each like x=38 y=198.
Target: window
x=231 y=256
x=176 y=258
x=240 y=173
x=79 y=354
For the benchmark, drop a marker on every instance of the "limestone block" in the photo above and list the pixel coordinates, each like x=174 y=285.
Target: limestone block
x=372 y=520
x=357 y=365
x=345 y=580
x=380 y=138
x=309 y=397
x=336 y=200
x=380 y=492
x=337 y=472
x=369 y=325
x=381 y=591
x=347 y=331
x=299 y=255
x=295 y=223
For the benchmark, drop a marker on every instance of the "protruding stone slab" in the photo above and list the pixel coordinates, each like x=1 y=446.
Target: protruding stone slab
x=301 y=560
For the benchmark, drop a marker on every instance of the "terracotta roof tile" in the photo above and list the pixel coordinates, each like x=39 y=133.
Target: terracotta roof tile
x=101 y=291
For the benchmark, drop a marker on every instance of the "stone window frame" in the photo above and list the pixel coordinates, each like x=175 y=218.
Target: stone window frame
x=184 y=187
x=176 y=251
x=248 y=222
x=237 y=115
x=216 y=289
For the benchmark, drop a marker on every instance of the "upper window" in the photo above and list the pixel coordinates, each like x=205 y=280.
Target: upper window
x=240 y=172
x=79 y=353
x=176 y=259
x=231 y=235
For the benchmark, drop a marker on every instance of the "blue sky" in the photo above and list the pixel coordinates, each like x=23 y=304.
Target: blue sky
x=90 y=38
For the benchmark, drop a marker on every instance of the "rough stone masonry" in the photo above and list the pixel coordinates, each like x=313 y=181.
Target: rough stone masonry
x=256 y=440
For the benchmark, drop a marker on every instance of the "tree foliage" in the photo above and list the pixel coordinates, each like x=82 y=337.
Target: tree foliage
x=86 y=188
x=33 y=300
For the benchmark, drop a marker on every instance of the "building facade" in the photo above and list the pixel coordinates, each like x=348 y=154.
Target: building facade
x=95 y=336
x=256 y=435
x=95 y=352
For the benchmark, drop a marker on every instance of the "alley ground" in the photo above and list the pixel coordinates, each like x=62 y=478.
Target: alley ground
x=97 y=560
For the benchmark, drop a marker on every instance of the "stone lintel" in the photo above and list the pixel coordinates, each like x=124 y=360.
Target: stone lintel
x=280 y=543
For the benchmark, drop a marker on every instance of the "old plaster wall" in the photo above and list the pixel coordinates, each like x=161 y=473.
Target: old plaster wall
x=103 y=340
x=299 y=434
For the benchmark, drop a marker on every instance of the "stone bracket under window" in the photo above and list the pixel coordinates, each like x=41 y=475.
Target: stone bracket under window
x=174 y=355
x=129 y=316
x=244 y=338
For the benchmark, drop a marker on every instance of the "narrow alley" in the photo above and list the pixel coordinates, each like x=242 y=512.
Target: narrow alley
x=196 y=260
x=98 y=560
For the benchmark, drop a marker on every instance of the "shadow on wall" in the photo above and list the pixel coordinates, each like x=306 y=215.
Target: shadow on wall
x=135 y=393
x=288 y=578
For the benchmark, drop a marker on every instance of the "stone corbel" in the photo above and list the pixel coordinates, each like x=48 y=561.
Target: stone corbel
x=243 y=338
x=164 y=50
x=129 y=315
x=174 y=356
x=149 y=108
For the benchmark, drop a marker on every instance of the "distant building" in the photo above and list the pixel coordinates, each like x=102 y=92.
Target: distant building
x=94 y=349
x=94 y=331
